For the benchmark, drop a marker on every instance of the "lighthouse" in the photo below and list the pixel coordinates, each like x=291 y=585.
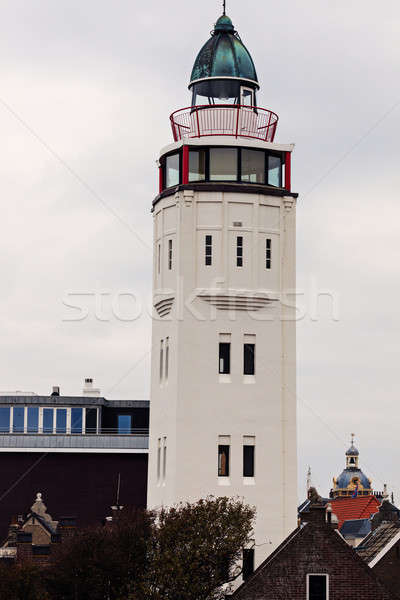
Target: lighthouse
x=223 y=375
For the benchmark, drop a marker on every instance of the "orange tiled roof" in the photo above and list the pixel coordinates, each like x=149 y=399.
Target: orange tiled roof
x=361 y=507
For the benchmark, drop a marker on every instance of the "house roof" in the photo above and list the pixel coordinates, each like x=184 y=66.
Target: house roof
x=358 y=528
x=378 y=542
x=348 y=509
x=296 y=537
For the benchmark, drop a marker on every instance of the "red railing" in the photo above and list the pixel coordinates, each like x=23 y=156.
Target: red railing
x=224 y=119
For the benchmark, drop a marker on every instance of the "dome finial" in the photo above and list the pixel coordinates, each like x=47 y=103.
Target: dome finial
x=352 y=439
x=224 y=7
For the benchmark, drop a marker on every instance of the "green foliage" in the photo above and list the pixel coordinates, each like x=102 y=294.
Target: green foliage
x=187 y=552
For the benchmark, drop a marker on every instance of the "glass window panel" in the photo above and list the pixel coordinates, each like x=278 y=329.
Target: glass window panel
x=223 y=164
x=4 y=419
x=91 y=420
x=76 y=419
x=124 y=424
x=247 y=96
x=317 y=588
x=18 y=419
x=274 y=171
x=253 y=166
x=248 y=461
x=61 y=420
x=33 y=419
x=223 y=461
x=224 y=358
x=172 y=170
x=48 y=420
x=249 y=351
x=197 y=165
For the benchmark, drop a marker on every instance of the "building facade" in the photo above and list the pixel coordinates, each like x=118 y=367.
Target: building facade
x=75 y=449
x=223 y=382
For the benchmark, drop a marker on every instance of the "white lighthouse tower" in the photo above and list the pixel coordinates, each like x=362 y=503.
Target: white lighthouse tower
x=223 y=388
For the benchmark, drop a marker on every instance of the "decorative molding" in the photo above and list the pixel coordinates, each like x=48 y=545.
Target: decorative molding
x=164 y=306
x=288 y=203
x=234 y=300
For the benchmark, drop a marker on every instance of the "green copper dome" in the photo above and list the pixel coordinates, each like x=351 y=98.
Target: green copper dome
x=224 y=56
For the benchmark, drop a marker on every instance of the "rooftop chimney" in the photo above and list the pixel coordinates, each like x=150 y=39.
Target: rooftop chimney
x=56 y=390
x=89 y=390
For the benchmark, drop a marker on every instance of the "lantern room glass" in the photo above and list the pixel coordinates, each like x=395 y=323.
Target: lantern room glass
x=223 y=164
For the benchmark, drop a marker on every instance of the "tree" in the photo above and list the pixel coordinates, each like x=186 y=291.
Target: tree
x=187 y=552
x=196 y=549
x=21 y=581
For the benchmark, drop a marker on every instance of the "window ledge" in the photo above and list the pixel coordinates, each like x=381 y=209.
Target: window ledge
x=249 y=379
x=224 y=378
x=224 y=481
x=249 y=481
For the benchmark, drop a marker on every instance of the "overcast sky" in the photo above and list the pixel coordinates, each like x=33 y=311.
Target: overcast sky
x=86 y=91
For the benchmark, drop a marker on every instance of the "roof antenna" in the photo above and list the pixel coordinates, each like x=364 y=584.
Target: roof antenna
x=224 y=7
x=117 y=506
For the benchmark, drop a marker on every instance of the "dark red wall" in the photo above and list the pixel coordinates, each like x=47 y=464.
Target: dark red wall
x=80 y=485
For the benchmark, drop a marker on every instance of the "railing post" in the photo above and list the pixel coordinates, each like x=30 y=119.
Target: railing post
x=173 y=128
x=237 y=120
x=198 y=124
x=269 y=123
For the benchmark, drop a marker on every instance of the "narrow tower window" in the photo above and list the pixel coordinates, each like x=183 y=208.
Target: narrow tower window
x=239 y=251
x=159 y=459
x=223 y=461
x=208 y=248
x=165 y=458
x=248 y=461
x=224 y=358
x=248 y=563
x=159 y=258
x=268 y=253
x=249 y=352
x=161 y=359
x=317 y=587
x=169 y=255
x=166 y=358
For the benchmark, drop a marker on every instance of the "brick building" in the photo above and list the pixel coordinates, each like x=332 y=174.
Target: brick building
x=36 y=536
x=315 y=563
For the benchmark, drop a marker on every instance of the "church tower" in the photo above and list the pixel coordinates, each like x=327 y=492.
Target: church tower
x=223 y=381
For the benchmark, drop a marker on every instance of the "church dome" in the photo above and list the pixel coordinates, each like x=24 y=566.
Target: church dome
x=224 y=56
x=352 y=475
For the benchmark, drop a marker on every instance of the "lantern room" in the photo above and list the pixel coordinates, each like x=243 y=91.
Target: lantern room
x=224 y=85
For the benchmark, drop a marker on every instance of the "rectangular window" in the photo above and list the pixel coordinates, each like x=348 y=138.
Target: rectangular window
x=248 y=461
x=239 y=251
x=197 y=165
x=317 y=587
x=169 y=255
x=76 y=419
x=91 y=420
x=223 y=164
x=165 y=458
x=208 y=249
x=253 y=166
x=223 y=460
x=18 y=419
x=224 y=358
x=161 y=359
x=159 y=459
x=33 y=419
x=61 y=420
x=172 y=170
x=4 y=419
x=48 y=420
x=275 y=171
x=159 y=258
x=166 y=358
x=249 y=353
x=268 y=253
x=248 y=563
x=124 y=424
